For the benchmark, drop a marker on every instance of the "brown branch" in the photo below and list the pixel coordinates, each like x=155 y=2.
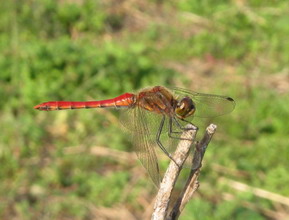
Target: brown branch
x=192 y=183
x=172 y=173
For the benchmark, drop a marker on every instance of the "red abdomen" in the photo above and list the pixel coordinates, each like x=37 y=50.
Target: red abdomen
x=123 y=101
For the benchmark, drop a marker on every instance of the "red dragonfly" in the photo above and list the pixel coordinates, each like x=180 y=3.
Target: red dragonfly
x=154 y=113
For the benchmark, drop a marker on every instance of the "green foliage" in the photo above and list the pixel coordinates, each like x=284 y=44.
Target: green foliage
x=89 y=50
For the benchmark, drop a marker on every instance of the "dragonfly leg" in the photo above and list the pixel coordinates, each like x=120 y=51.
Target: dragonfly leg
x=182 y=127
x=160 y=143
x=171 y=132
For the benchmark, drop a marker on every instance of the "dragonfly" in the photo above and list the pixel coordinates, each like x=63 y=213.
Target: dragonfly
x=154 y=114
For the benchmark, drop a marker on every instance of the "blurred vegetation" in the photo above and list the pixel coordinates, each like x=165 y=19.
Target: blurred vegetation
x=86 y=50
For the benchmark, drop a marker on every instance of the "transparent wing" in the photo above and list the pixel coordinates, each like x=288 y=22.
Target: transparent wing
x=130 y=117
x=142 y=126
x=207 y=105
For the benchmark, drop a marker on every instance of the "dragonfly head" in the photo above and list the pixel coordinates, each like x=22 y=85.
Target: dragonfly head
x=185 y=108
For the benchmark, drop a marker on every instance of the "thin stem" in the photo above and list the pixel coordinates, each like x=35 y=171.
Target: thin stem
x=192 y=183
x=172 y=173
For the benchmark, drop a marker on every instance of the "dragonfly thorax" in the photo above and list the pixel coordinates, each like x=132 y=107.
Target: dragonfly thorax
x=185 y=108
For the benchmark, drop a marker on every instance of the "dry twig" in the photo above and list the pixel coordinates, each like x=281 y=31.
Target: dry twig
x=170 y=177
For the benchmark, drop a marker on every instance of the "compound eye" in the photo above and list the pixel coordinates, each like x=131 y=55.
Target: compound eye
x=185 y=108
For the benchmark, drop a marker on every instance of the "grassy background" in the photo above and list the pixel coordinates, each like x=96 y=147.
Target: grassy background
x=86 y=49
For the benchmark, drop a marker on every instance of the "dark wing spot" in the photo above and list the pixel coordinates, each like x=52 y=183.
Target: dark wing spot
x=230 y=99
